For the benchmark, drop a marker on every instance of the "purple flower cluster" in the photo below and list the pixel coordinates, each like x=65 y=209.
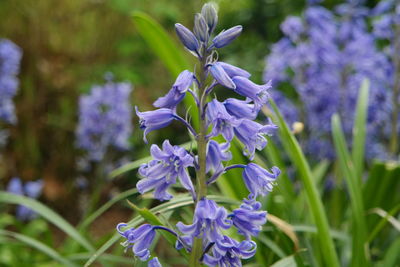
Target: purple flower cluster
x=10 y=57
x=324 y=56
x=229 y=118
x=31 y=189
x=104 y=119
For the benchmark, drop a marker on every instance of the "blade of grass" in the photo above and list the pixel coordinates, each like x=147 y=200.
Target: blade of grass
x=39 y=246
x=314 y=200
x=105 y=207
x=359 y=229
x=359 y=130
x=48 y=214
x=392 y=256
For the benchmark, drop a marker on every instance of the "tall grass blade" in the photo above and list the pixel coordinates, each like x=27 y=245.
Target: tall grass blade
x=48 y=214
x=38 y=246
x=359 y=129
x=294 y=151
x=359 y=229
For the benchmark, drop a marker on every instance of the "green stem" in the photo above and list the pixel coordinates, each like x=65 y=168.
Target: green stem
x=396 y=93
x=197 y=249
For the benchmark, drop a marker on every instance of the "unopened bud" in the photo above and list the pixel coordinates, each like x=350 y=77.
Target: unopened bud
x=187 y=37
x=226 y=37
x=210 y=15
x=200 y=28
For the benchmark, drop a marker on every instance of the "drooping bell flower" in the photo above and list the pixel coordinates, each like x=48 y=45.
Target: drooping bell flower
x=258 y=180
x=154 y=120
x=229 y=252
x=222 y=122
x=167 y=165
x=177 y=92
x=208 y=222
x=257 y=93
x=248 y=219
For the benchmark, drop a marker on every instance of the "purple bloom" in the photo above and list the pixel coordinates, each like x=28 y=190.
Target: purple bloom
x=31 y=189
x=226 y=37
x=292 y=27
x=177 y=92
x=257 y=93
x=233 y=71
x=240 y=109
x=258 y=180
x=168 y=164
x=209 y=220
x=154 y=120
x=105 y=119
x=220 y=75
x=216 y=153
x=251 y=134
x=10 y=57
x=154 y=263
x=248 y=219
x=223 y=123
x=139 y=239
x=229 y=252
x=187 y=38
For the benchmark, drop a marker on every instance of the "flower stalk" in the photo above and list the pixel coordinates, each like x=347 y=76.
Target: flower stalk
x=202 y=153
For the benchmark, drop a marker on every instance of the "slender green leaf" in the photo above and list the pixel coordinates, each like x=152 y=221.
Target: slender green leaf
x=294 y=151
x=359 y=130
x=386 y=217
x=353 y=181
x=48 y=214
x=106 y=206
x=39 y=246
x=392 y=256
x=285 y=262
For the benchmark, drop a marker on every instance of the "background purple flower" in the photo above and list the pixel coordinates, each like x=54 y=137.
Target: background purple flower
x=321 y=72
x=105 y=119
x=10 y=57
x=31 y=189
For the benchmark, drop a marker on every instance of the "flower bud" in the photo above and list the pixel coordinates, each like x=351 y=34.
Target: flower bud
x=200 y=28
x=210 y=15
x=226 y=37
x=187 y=37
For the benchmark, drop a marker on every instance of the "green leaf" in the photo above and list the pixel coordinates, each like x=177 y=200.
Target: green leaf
x=392 y=256
x=166 y=49
x=39 y=246
x=359 y=130
x=295 y=153
x=359 y=229
x=106 y=206
x=48 y=214
x=285 y=262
